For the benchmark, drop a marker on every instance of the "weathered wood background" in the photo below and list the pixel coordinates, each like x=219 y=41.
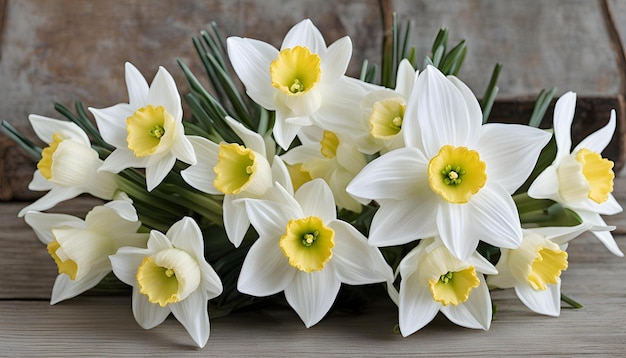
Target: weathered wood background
x=74 y=50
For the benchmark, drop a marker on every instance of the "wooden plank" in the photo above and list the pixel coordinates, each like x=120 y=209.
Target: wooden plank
x=105 y=325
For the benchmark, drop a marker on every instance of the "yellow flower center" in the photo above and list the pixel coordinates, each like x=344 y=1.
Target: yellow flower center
x=454 y=287
x=456 y=173
x=599 y=174
x=329 y=143
x=308 y=243
x=66 y=266
x=296 y=70
x=386 y=118
x=546 y=268
x=45 y=163
x=235 y=168
x=145 y=129
x=170 y=276
x=298 y=175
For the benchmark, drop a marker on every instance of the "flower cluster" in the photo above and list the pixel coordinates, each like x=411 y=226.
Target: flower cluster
x=318 y=180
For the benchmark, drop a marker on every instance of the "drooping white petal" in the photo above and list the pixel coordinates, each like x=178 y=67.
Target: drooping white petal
x=305 y=34
x=137 y=86
x=235 y=218
x=45 y=128
x=163 y=92
x=598 y=140
x=284 y=132
x=476 y=312
x=398 y=222
x=265 y=270
x=126 y=262
x=335 y=63
x=147 y=314
x=396 y=175
x=192 y=313
x=65 y=288
x=563 y=117
x=547 y=302
x=52 y=198
x=510 y=152
x=562 y=234
x=316 y=199
x=312 y=294
x=546 y=185
x=356 y=262
x=604 y=236
x=157 y=170
x=251 y=61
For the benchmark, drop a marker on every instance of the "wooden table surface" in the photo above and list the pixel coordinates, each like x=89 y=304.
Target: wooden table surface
x=100 y=325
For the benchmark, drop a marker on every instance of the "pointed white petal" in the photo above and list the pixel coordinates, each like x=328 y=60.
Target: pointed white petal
x=473 y=108
x=123 y=209
x=609 y=207
x=604 y=236
x=340 y=110
x=183 y=150
x=500 y=145
x=111 y=123
x=416 y=305
x=453 y=221
x=52 y=198
x=163 y=92
x=547 y=302
x=186 y=235
x=335 y=63
x=126 y=262
x=121 y=159
x=148 y=315
x=65 y=288
x=192 y=313
x=482 y=264
x=251 y=139
x=356 y=262
x=251 y=61
x=39 y=183
x=442 y=113
x=280 y=174
x=398 y=222
x=312 y=294
x=211 y=282
x=284 y=132
x=474 y=313
x=265 y=270
x=158 y=170
x=405 y=79
x=201 y=175
x=316 y=199
x=45 y=128
x=43 y=223
x=158 y=241
x=504 y=278
x=562 y=234
x=305 y=34
x=236 y=221
x=137 y=86
x=563 y=117
x=268 y=218
x=396 y=175
x=546 y=185
x=494 y=217
x=598 y=140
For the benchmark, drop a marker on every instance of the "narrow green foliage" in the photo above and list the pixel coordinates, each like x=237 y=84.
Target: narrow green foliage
x=31 y=148
x=490 y=93
x=541 y=106
x=572 y=303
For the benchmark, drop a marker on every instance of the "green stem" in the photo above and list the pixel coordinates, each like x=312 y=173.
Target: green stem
x=570 y=302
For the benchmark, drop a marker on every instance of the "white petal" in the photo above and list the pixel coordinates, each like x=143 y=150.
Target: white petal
x=251 y=61
x=280 y=174
x=45 y=128
x=335 y=63
x=65 y=288
x=158 y=241
x=148 y=315
x=236 y=220
x=126 y=262
x=123 y=209
x=316 y=199
x=111 y=123
x=442 y=113
x=121 y=159
x=504 y=278
x=561 y=234
x=284 y=132
x=183 y=150
x=312 y=294
x=399 y=222
x=52 y=198
x=186 y=235
x=546 y=185
x=43 y=223
x=265 y=270
x=396 y=175
x=416 y=305
x=305 y=34
x=604 y=236
x=340 y=111
x=547 y=302
x=356 y=262
x=201 y=175
x=156 y=172
x=39 y=183
x=300 y=106
x=163 y=92
x=192 y=313
x=510 y=152
x=453 y=221
x=598 y=140
x=563 y=117
x=481 y=264
x=494 y=218
x=473 y=108
x=268 y=218
x=251 y=139
x=137 y=86
x=473 y=313
x=405 y=78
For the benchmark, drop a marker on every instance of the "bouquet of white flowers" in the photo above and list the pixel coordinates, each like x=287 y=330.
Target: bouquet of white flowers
x=311 y=182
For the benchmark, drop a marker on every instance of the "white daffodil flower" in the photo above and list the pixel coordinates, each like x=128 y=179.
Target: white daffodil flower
x=147 y=132
x=455 y=176
x=534 y=269
x=580 y=180
x=170 y=275
x=305 y=251
x=68 y=166
x=237 y=171
x=304 y=82
x=332 y=157
x=433 y=280
x=81 y=248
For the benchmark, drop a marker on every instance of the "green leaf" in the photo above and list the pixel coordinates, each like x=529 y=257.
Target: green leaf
x=490 y=93
x=541 y=106
x=31 y=148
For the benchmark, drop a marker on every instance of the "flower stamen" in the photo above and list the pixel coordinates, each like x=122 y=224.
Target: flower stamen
x=308 y=243
x=296 y=70
x=456 y=173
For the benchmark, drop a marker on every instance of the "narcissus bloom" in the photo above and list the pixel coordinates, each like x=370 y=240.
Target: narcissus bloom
x=68 y=166
x=433 y=280
x=455 y=176
x=534 y=269
x=170 y=275
x=580 y=180
x=81 y=248
x=303 y=82
x=305 y=251
x=236 y=171
x=147 y=132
